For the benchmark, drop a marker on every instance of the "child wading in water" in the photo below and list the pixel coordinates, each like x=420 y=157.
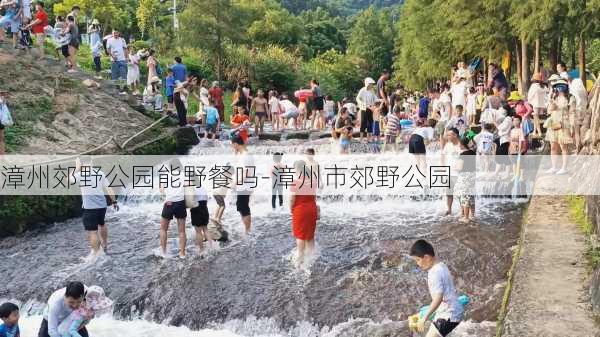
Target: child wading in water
x=445 y=307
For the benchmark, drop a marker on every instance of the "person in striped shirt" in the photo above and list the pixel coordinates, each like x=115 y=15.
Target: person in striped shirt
x=392 y=129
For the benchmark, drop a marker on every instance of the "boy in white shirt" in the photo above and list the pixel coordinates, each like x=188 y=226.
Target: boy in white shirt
x=485 y=145
x=445 y=306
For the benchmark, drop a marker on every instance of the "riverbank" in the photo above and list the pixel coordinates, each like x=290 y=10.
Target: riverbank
x=549 y=294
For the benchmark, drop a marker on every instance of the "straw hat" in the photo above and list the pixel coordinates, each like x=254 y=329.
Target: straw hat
x=368 y=81
x=537 y=77
x=154 y=79
x=95 y=22
x=514 y=96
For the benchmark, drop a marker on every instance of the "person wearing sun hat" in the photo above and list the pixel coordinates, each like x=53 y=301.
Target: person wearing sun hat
x=537 y=96
x=366 y=100
x=152 y=95
x=523 y=109
x=560 y=124
x=179 y=98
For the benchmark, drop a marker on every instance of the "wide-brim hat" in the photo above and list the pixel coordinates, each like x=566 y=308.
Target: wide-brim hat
x=95 y=22
x=368 y=81
x=155 y=79
x=514 y=96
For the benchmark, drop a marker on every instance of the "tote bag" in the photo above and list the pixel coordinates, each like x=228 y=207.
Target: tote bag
x=5 y=116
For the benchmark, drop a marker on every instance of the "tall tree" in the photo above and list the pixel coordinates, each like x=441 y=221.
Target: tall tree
x=372 y=39
x=210 y=24
x=147 y=14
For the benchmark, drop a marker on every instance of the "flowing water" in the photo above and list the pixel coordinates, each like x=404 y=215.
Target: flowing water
x=361 y=284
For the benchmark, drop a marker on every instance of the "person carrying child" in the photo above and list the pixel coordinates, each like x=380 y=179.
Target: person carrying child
x=444 y=307
x=9 y=314
x=94 y=304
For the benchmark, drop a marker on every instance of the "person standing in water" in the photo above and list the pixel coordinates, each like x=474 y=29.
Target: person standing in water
x=94 y=186
x=450 y=155
x=173 y=207
x=244 y=186
x=200 y=215
x=260 y=106
x=418 y=141
x=276 y=184
x=303 y=207
x=444 y=306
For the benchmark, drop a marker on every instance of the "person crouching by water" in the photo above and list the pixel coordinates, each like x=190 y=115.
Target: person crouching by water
x=61 y=304
x=445 y=306
x=173 y=207
x=303 y=207
x=94 y=202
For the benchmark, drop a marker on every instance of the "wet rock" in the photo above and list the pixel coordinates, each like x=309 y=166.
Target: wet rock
x=298 y=135
x=185 y=138
x=88 y=83
x=276 y=136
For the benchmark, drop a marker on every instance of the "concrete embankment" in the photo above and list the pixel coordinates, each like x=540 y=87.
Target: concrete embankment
x=549 y=295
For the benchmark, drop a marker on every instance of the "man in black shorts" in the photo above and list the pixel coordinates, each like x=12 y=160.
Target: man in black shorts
x=366 y=100
x=94 y=191
x=244 y=186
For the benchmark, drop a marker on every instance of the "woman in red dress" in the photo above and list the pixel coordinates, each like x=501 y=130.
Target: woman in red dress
x=303 y=205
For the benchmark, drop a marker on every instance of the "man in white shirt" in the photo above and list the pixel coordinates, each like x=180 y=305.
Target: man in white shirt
x=60 y=305
x=244 y=185
x=366 y=100
x=94 y=188
x=117 y=48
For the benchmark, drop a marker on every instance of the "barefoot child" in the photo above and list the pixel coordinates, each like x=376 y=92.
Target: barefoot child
x=9 y=314
x=445 y=307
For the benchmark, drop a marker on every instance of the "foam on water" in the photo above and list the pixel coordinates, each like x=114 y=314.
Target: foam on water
x=107 y=326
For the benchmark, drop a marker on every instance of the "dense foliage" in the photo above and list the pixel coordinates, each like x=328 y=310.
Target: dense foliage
x=284 y=43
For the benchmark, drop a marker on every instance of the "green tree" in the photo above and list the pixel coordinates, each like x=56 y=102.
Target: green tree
x=209 y=24
x=112 y=14
x=277 y=27
x=422 y=51
x=147 y=14
x=338 y=74
x=321 y=32
x=372 y=39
